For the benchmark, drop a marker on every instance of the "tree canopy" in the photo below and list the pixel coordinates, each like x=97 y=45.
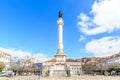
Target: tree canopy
x=2 y=66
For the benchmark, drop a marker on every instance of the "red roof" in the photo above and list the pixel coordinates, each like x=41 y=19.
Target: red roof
x=51 y=60
x=67 y=60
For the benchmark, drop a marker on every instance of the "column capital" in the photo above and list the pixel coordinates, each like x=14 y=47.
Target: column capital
x=60 y=22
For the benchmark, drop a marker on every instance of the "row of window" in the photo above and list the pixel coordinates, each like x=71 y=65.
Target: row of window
x=74 y=63
x=76 y=68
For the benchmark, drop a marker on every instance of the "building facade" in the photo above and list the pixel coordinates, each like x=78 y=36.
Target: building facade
x=73 y=66
x=5 y=58
x=89 y=60
x=112 y=61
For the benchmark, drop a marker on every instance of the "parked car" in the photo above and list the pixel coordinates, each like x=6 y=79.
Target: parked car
x=3 y=73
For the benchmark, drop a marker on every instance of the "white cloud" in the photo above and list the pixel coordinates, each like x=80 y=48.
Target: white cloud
x=104 y=17
x=41 y=57
x=14 y=52
x=82 y=38
x=83 y=17
x=105 y=46
x=21 y=54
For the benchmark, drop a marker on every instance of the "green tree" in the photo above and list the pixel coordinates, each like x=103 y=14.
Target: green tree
x=2 y=66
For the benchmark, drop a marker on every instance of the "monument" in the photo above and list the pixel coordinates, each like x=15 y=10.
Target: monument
x=60 y=66
x=60 y=57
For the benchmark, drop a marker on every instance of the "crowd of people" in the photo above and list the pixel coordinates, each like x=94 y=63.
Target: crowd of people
x=10 y=74
x=105 y=73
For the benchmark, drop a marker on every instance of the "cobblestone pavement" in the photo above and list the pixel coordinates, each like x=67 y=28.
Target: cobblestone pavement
x=85 y=77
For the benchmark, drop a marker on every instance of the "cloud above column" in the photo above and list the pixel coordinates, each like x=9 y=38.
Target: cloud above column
x=104 y=17
x=105 y=46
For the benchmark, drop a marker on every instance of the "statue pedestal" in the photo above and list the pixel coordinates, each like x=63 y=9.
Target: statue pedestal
x=58 y=73
x=58 y=70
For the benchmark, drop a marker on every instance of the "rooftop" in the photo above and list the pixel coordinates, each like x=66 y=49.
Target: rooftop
x=67 y=60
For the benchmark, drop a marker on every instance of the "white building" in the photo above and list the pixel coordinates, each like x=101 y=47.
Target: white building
x=74 y=66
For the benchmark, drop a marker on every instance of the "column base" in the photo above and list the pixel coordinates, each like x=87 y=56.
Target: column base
x=58 y=73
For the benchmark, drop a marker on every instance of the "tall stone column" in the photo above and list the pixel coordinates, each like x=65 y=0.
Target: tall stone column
x=60 y=56
x=60 y=35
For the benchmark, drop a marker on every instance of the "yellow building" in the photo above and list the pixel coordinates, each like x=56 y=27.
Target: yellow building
x=5 y=58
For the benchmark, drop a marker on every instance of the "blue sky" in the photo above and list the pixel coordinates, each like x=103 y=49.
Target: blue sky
x=31 y=26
